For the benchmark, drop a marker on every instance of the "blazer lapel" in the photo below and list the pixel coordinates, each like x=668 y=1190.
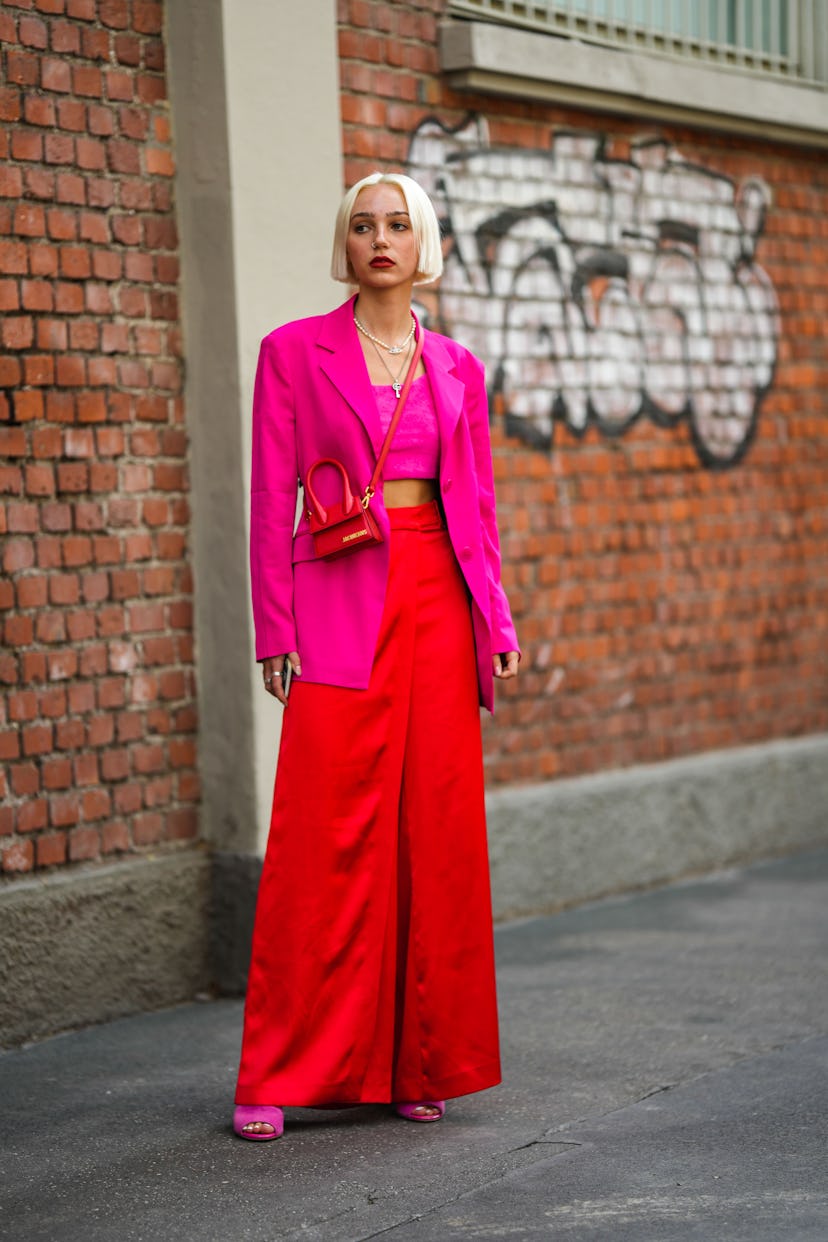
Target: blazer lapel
x=448 y=391
x=342 y=360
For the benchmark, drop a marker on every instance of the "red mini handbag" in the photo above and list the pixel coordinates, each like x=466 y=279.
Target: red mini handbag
x=348 y=524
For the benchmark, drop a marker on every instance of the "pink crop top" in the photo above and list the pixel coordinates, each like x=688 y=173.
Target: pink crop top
x=415 y=449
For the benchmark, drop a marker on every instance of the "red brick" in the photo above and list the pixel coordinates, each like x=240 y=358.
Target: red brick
x=32 y=815
x=119 y=85
x=127 y=49
x=65 y=37
x=96 y=44
x=69 y=299
x=40 y=480
x=182 y=824
x=22 y=706
x=91 y=154
x=18 y=332
x=22 y=68
x=31 y=592
x=98 y=301
x=19 y=856
x=56 y=517
x=46 y=441
x=37 y=739
x=40 y=296
x=80 y=626
x=72 y=115
x=24 y=779
x=62 y=665
x=50 y=627
x=84 y=844
x=12 y=442
x=115 y=837
x=39 y=111
x=65 y=811
x=57 y=773
x=64 y=588
x=13 y=258
x=128 y=799
x=56 y=74
x=101 y=730
x=9 y=103
x=101 y=120
x=9 y=743
x=84 y=334
x=152 y=88
x=70 y=188
x=52 y=702
x=51 y=333
x=49 y=546
x=51 y=849
x=154 y=55
x=10 y=372
x=11 y=182
x=95 y=804
x=21 y=517
x=59 y=149
x=27 y=144
x=9 y=296
x=148 y=828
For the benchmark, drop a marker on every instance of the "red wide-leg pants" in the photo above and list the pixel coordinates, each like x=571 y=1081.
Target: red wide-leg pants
x=372 y=973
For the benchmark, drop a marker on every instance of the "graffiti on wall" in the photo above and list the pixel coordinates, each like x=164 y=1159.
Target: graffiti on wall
x=599 y=290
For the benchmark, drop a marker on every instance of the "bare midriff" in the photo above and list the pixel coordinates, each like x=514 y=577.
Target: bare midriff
x=401 y=493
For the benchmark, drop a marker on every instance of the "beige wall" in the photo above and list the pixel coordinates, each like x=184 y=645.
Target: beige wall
x=254 y=85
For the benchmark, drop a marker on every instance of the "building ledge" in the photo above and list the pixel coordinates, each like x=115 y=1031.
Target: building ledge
x=490 y=58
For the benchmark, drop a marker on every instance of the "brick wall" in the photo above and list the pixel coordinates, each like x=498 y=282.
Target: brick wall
x=659 y=427
x=97 y=717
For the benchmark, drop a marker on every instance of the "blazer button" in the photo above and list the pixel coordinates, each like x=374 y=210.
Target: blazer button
x=447 y=485
x=465 y=553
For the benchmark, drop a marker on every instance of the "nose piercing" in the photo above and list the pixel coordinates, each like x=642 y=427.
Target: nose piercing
x=373 y=245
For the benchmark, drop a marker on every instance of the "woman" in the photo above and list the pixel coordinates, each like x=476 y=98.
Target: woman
x=372 y=975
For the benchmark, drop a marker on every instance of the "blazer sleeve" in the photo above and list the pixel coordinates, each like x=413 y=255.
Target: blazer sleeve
x=504 y=637
x=273 y=494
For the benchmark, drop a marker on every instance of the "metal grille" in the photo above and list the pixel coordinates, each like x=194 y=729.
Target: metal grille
x=782 y=38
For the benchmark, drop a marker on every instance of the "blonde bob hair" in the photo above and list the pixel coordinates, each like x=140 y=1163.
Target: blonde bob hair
x=424 y=224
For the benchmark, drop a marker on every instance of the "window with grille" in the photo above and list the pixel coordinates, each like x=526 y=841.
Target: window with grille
x=782 y=38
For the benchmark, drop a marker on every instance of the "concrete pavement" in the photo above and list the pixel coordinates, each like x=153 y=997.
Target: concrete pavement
x=665 y=1061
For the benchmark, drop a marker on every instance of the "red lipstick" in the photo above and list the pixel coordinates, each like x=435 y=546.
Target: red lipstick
x=382 y=261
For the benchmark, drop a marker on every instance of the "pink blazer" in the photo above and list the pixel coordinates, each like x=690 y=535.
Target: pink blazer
x=313 y=398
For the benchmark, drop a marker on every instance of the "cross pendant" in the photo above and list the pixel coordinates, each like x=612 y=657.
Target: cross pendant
x=396 y=386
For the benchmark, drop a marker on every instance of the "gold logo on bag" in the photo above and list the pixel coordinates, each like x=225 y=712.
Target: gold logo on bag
x=358 y=534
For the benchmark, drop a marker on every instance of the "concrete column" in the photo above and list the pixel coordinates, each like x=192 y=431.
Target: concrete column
x=254 y=87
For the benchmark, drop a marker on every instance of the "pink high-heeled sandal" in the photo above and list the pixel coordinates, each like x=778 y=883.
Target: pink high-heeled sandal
x=408 y=1110
x=247 y=1114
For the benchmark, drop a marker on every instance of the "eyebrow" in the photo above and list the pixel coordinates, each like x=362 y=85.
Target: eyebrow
x=370 y=215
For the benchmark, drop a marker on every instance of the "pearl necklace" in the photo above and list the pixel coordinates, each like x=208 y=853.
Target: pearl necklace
x=396 y=381
x=391 y=349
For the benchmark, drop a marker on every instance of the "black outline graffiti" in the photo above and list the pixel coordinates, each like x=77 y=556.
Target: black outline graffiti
x=543 y=233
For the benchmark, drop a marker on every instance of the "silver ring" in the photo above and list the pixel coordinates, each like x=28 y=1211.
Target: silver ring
x=268 y=680
x=277 y=674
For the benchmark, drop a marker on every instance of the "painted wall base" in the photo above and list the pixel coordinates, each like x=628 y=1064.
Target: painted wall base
x=569 y=841
x=95 y=944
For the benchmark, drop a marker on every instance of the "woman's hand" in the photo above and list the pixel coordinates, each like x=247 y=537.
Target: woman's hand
x=273 y=672
x=506 y=665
